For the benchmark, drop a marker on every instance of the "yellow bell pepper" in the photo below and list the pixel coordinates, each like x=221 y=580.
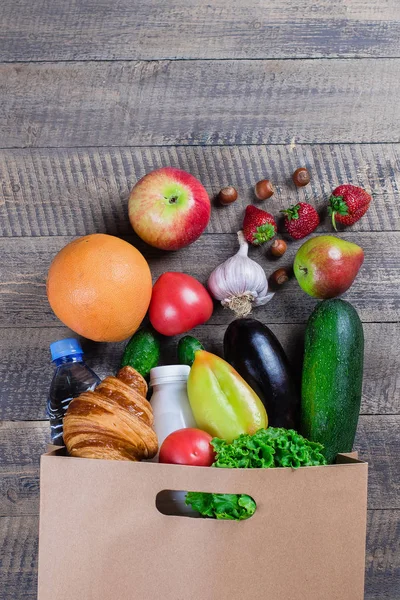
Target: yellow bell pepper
x=223 y=404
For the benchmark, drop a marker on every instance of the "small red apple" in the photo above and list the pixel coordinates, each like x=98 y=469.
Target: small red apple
x=169 y=208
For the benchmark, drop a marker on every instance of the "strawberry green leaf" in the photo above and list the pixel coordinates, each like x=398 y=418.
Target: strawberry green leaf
x=263 y=234
x=292 y=212
x=337 y=206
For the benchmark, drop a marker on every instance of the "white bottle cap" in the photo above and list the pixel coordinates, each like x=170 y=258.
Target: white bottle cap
x=169 y=374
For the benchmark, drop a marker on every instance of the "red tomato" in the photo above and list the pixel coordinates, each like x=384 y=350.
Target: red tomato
x=179 y=302
x=188 y=447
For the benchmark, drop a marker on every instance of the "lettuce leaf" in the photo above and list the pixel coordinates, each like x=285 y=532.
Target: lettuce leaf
x=272 y=447
x=232 y=507
x=268 y=448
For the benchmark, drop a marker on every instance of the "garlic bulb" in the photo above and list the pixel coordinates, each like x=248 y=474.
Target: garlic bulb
x=240 y=283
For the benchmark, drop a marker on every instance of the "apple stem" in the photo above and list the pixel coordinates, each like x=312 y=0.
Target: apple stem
x=173 y=200
x=304 y=269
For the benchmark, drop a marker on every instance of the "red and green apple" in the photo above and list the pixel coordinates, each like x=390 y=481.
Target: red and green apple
x=169 y=208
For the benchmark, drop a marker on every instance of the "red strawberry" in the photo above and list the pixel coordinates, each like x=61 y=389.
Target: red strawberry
x=348 y=204
x=300 y=220
x=258 y=226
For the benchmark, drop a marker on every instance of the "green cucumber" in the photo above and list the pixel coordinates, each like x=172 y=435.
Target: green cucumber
x=332 y=377
x=187 y=347
x=142 y=352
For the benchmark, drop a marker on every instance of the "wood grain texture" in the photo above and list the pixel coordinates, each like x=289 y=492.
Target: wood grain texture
x=24 y=391
x=84 y=132
x=375 y=292
x=383 y=555
x=19 y=492
x=128 y=29
x=21 y=444
x=378 y=443
x=19 y=547
x=80 y=191
x=199 y=102
x=18 y=557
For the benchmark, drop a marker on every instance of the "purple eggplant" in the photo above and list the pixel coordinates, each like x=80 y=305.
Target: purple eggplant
x=256 y=354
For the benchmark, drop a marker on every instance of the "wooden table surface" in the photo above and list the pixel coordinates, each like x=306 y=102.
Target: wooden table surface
x=95 y=94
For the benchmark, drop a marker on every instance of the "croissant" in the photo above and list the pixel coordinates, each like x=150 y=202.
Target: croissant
x=113 y=422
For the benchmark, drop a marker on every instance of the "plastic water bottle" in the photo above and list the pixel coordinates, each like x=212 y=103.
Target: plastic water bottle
x=72 y=377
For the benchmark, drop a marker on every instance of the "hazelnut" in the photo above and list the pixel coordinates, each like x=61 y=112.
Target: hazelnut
x=264 y=189
x=227 y=195
x=278 y=248
x=280 y=276
x=301 y=177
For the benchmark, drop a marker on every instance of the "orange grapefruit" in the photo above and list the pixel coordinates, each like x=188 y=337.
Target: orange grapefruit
x=100 y=287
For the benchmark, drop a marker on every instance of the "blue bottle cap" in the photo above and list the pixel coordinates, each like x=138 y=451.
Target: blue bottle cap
x=68 y=347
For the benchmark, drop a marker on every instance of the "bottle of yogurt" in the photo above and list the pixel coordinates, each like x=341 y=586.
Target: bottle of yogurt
x=169 y=400
x=172 y=411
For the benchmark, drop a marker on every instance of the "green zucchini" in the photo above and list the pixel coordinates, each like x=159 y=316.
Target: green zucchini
x=332 y=377
x=187 y=347
x=142 y=352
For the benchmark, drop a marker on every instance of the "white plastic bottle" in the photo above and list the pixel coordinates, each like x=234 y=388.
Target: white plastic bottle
x=172 y=411
x=169 y=401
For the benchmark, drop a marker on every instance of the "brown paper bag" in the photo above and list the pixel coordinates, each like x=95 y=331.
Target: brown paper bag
x=102 y=537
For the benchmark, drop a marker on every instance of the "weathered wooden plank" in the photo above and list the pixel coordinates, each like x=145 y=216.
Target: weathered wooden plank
x=80 y=191
x=383 y=555
x=18 y=557
x=19 y=492
x=21 y=444
x=19 y=548
x=193 y=29
x=375 y=293
x=378 y=443
x=24 y=391
x=199 y=102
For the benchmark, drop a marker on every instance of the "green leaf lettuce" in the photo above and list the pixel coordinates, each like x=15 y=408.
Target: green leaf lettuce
x=232 y=507
x=268 y=448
